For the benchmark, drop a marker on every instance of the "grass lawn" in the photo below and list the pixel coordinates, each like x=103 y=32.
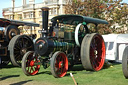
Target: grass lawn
x=111 y=76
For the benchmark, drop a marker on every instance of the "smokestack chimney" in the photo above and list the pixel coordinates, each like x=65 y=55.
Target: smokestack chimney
x=13 y=6
x=23 y=2
x=45 y=13
x=31 y=1
x=13 y=3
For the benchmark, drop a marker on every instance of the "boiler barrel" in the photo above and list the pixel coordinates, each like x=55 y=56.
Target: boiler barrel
x=44 y=46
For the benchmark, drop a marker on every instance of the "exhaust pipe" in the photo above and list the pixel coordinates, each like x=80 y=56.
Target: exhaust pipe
x=45 y=13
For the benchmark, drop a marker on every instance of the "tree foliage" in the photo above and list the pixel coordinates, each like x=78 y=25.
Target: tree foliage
x=117 y=16
x=111 y=10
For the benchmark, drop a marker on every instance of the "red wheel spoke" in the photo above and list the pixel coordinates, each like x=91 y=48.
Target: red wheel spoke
x=60 y=64
x=59 y=58
x=93 y=61
x=56 y=65
x=61 y=70
x=97 y=52
x=31 y=69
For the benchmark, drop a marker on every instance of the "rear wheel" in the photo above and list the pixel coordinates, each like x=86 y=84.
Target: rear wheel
x=28 y=63
x=18 y=46
x=59 y=64
x=125 y=62
x=93 y=52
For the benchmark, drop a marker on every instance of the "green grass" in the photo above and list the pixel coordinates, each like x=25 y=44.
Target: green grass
x=110 y=76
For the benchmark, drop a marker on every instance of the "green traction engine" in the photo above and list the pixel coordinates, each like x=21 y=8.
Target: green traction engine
x=65 y=43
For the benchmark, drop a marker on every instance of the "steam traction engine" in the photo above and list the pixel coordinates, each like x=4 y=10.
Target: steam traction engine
x=66 y=43
x=13 y=45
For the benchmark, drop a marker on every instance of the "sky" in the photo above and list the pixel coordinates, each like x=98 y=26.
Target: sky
x=7 y=3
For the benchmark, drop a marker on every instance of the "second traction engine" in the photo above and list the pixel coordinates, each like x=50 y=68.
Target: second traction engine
x=65 y=43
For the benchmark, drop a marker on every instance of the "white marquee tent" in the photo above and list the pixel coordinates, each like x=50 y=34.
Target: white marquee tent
x=115 y=45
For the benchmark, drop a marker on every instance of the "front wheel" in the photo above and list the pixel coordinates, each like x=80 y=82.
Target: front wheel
x=28 y=63
x=59 y=64
x=93 y=52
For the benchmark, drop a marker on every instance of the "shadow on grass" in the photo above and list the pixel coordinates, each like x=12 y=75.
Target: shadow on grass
x=6 y=77
x=76 y=68
x=45 y=72
x=109 y=64
x=21 y=82
x=9 y=66
x=116 y=63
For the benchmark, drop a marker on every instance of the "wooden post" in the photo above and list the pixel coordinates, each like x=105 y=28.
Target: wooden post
x=73 y=79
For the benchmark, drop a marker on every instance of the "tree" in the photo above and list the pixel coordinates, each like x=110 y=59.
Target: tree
x=92 y=8
x=112 y=11
x=117 y=16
